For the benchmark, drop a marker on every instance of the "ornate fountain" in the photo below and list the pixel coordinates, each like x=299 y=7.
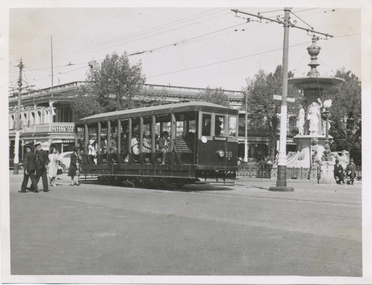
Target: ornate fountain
x=313 y=139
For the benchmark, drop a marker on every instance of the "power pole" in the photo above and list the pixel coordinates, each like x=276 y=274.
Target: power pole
x=281 y=183
x=246 y=130
x=18 y=121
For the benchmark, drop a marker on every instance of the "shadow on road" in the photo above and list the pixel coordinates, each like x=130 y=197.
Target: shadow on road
x=169 y=187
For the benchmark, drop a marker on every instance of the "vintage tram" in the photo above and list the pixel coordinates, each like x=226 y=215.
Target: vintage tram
x=178 y=143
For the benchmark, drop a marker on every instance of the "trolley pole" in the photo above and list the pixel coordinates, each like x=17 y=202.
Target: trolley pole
x=18 y=122
x=281 y=183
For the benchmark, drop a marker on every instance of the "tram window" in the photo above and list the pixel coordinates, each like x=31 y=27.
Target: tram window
x=206 y=123
x=219 y=129
x=180 y=128
x=232 y=126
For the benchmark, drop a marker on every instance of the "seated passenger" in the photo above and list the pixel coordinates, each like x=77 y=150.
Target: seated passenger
x=92 y=151
x=146 y=142
x=164 y=145
x=124 y=148
x=134 y=144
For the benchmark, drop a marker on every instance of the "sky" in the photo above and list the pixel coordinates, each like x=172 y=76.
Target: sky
x=180 y=46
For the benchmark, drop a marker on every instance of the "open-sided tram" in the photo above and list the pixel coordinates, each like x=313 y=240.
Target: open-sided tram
x=178 y=143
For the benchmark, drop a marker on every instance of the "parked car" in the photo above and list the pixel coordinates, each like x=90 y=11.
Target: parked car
x=65 y=159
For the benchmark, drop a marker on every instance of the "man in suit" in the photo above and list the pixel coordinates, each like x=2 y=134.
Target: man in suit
x=29 y=171
x=338 y=172
x=350 y=170
x=42 y=160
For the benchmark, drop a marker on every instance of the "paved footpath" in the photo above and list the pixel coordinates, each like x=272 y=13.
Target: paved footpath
x=243 y=229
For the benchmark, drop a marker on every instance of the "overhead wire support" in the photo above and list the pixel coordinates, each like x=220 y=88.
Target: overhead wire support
x=292 y=25
x=281 y=184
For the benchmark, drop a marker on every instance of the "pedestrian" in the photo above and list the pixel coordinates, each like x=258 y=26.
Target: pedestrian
x=350 y=170
x=42 y=160
x=73 y=171
x=29 y=171
x=53 y=166
x=338 y=172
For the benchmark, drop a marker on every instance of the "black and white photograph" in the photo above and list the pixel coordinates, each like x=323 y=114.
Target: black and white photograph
x=186 y=142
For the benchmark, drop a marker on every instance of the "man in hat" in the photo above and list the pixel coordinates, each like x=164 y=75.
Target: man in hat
x=29 y=171
x=42 y=160
x=338 y=172
x=350 y=170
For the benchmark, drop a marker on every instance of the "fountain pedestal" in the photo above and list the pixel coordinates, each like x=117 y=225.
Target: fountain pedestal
x=310 y=149
x=327 y=176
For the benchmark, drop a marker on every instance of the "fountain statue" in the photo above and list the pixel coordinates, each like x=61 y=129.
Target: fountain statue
x=313 y=139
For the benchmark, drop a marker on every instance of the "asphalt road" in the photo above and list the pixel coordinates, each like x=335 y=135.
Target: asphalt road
x=243 y=230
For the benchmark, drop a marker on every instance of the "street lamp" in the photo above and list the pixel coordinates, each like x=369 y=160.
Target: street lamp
x=326 y=154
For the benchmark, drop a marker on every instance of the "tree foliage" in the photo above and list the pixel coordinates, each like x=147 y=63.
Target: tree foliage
x=112 y=84
x=345 y=113
x=85 y=105
x=216 y=96
x=263 y=110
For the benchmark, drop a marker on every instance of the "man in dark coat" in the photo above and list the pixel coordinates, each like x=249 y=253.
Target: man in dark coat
x=350 y=170
x=338 y=172
x=42 y=160
x=29 y=171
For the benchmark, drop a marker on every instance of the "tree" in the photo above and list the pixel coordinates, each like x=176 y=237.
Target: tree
x=113 y=83
x=85 y=105
x=345 y=113
x=263 y=110
x=216 y=96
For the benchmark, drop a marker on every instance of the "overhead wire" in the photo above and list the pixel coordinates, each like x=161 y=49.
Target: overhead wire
x=197 y=37
x=128 y=38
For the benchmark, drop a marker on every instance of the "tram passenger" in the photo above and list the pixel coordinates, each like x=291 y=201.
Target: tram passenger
x=164 y=145
x=124 y=147
x=146 y=144
x=134 y=144
x=92 y=151
x=113 y=147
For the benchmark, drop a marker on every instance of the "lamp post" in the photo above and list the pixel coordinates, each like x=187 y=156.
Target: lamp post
x=326 y=154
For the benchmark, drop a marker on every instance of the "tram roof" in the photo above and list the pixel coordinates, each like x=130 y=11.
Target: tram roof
x=161 y=109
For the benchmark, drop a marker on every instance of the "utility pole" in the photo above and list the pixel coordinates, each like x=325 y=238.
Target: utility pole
x=51 y=59
x=246 y=130
x=281 y=183
x=18 y=121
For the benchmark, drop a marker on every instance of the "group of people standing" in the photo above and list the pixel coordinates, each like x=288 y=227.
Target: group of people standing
x=349 y=171
x=35 y=167
x=41 y=165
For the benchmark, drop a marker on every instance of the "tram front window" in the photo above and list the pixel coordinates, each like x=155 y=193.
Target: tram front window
x=232 y=126
x=206 y=124
x=219 y=129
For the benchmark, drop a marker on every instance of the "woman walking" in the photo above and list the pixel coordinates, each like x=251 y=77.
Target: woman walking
x=73 y=171
x=53 y=166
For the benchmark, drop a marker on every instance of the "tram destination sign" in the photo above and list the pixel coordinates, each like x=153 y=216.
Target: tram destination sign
x=220 y=138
